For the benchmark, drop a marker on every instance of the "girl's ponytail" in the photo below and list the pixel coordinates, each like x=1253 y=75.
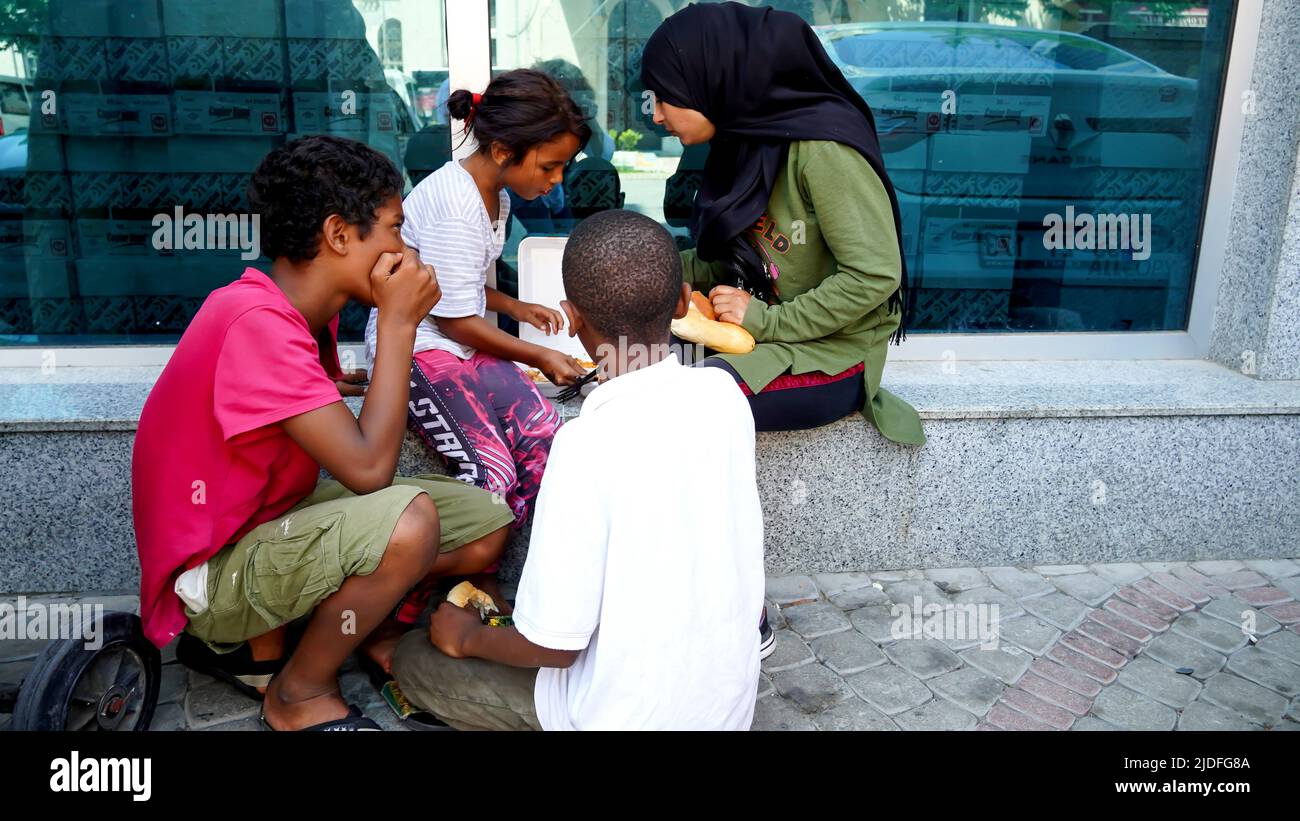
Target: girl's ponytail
x=518 y=111
x=460 y=103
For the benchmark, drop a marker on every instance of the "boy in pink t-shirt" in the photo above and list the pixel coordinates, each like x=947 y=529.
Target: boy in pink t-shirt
x=238 y=536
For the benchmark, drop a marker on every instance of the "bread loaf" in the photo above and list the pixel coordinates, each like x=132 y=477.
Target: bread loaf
x=701 y=301
x=726 y=337
x=466 y=594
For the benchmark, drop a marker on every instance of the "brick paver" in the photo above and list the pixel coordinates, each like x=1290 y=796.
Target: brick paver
x=1122 y=646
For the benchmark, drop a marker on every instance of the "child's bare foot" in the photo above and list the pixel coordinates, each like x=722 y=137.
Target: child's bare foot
x=380 y=644
x=286 y=709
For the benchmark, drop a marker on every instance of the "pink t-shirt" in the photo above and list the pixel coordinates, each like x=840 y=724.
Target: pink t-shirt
x=211 y=461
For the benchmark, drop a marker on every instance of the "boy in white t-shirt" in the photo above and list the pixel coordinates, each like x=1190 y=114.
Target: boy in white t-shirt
x=636 y=606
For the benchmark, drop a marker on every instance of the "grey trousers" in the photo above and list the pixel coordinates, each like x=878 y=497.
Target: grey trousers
x=468 y=694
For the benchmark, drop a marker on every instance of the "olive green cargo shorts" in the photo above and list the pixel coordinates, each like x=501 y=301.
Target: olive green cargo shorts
x=280 y=570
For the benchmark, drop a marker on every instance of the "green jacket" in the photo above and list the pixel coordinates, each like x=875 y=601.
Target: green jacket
x=830 y=230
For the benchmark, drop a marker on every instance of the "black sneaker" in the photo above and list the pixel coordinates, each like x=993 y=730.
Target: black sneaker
x=766 y=638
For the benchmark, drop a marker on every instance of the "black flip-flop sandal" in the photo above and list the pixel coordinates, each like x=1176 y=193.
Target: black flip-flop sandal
x=406 y=712
x=354 y=721
x=237 y=668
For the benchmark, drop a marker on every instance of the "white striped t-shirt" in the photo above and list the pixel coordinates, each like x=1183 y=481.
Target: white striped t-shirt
x=446 y=222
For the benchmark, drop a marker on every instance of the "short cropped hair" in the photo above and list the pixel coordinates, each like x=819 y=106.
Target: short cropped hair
x=622 y=270
x=299 y=184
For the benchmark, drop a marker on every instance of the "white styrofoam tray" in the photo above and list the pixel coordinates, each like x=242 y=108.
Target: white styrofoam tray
x=541 y=281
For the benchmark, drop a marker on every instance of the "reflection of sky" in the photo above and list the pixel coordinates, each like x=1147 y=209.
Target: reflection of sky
x=969 y=45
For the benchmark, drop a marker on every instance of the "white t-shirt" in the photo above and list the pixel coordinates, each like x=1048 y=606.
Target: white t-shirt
x=647 y=555
x=446 y=222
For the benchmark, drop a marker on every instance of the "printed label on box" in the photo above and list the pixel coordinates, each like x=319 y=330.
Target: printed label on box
x=115 y=237
x=969 y=253
x=213 y=112
x=321 y=112
x=34 y=238
x=135 y=115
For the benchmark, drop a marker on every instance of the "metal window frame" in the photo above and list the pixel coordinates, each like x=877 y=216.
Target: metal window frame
x=469 y=62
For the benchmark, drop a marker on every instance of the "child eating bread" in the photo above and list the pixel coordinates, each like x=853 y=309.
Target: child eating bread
x=637 y=601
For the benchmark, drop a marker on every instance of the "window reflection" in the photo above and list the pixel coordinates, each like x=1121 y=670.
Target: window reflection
x=120 y=113
x=994 y=118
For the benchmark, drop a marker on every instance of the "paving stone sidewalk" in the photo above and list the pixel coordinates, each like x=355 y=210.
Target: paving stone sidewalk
x=1209 y=645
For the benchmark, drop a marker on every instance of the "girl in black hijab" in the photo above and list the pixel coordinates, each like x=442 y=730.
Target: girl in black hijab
x=796 y=222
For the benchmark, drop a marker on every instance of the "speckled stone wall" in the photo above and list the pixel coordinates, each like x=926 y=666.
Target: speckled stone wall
x=1258 y=310
x=982 y=491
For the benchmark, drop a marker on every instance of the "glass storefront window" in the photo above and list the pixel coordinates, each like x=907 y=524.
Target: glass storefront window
x=122 y=117
x=1051 y=159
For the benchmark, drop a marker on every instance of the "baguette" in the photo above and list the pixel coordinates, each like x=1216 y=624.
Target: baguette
x=726 y=337
x=701 y=301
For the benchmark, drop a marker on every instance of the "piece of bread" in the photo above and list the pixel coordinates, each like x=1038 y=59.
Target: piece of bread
x=539 y=377
x=702 y=302
x=466 y=594
x=726 y=337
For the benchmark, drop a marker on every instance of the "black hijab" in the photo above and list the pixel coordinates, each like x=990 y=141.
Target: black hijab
x=763 y=79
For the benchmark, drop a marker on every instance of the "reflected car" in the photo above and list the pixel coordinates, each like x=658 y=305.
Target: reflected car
x=987 y=129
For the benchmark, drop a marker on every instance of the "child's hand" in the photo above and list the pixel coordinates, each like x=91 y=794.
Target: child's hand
x=353 y=382
x=539 y=316
x=560 y=368
x=404 y=289
x=451 y=627
x=729 y=304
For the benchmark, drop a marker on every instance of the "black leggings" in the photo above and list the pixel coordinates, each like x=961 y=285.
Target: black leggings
x=799 y=408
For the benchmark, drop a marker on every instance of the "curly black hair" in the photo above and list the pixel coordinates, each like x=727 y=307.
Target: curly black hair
x=518 y=110
x=622 y=270
x=298 y=185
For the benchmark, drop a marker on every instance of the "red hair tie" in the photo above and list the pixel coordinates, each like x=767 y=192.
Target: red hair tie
x=474 y=100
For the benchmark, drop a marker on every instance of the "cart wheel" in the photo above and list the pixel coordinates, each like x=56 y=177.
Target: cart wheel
x=114 y=687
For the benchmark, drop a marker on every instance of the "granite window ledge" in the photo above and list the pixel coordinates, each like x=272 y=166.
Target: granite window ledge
x=110 y=399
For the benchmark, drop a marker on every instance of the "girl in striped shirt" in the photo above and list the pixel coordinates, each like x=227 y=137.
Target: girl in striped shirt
x=469 y=402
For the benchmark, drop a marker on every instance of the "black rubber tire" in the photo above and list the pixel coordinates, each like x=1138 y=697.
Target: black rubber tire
x=66 y=668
